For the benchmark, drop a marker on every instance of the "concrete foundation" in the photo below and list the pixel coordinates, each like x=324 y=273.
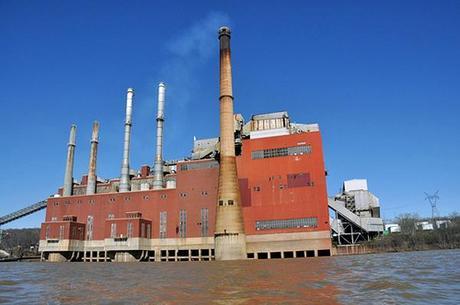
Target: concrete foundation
x=230 y=247
x=56 y=258
x=124 y=257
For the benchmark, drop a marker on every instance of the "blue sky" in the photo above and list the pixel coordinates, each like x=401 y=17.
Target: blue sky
x=381 y=78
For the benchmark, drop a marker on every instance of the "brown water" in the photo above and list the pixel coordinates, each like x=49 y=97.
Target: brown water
x=430 y=277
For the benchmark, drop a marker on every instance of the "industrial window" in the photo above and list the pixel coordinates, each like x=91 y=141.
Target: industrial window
x=142 y=229
x=199 y=165
x=110 y=216
x=163 y=224
x=127 y=198
x=79 y=201
x=256 y=188
x=74 y=232
x=113 y=230
x=281 y=152
x=112 y=199
x=61 y=232
x=182 y=223
x=204 y=222
x=89 y=227
x=129 y=230
x=204 y=193
x=56 y=204
x=91 y=201
x=163 y=196
x=286 y=223
x=146 y=197
x=47 y=232
x=149 y=231
x=230 y=202
x=53 y=218
x=183 y=194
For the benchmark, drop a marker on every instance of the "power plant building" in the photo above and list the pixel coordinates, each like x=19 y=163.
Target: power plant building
x=256 y=192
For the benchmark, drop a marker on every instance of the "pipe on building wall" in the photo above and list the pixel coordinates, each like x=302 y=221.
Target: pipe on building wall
x=91 y=186
x=68 y=176
x=229 y=236
x=124 y=178
x=158 y=164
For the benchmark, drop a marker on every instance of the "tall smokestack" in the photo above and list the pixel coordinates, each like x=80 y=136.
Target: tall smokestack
x=229 y=237
x=124 y=179
x=68 y=177
x=158 y=165
x=91 y=186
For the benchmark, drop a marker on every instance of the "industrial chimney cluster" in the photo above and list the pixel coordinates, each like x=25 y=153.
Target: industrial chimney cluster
x=258 y=191
x=125 y=183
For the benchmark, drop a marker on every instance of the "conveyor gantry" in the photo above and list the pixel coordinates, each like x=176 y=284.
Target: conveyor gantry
x=23 y=212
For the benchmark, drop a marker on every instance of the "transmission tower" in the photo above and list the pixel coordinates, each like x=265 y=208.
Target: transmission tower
x=433 y=199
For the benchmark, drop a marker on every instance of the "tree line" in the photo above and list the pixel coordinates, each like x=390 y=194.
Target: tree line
x=412 y=237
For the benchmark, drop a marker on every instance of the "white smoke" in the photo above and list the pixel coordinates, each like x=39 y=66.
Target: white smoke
x=189 y=50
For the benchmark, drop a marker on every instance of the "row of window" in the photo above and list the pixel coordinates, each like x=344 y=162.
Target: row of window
x=128 y=198
x=287 y=223
x=281 y=152
x=181 y=229
x=146 y=230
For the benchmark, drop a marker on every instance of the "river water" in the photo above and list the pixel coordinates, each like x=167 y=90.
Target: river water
x=429 y=277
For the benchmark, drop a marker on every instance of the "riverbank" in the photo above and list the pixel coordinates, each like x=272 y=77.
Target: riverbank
x=440 y=239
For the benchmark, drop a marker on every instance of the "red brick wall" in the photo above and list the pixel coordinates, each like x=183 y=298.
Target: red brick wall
x=197 y=188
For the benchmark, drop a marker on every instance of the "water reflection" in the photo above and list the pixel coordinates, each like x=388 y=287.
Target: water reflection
x=409 y=278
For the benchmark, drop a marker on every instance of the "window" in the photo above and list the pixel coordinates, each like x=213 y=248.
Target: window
x=110 y=216
x=143 y=229
x=129 y=230
x=199 y=165
x=89 y=227
x=74 y=232
x=112 y=199
x=47 y=232
x=113 y=230
x=204 y=222
x=149 y=231
x=163 y=196
x=146 y=197
x=286 y=223
x=91 y=201
x=182 y=223
x=183 y=194
x=163 y=224
x=256 y=188
x=281 y=152
x=61 y=232
x=54 y=218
